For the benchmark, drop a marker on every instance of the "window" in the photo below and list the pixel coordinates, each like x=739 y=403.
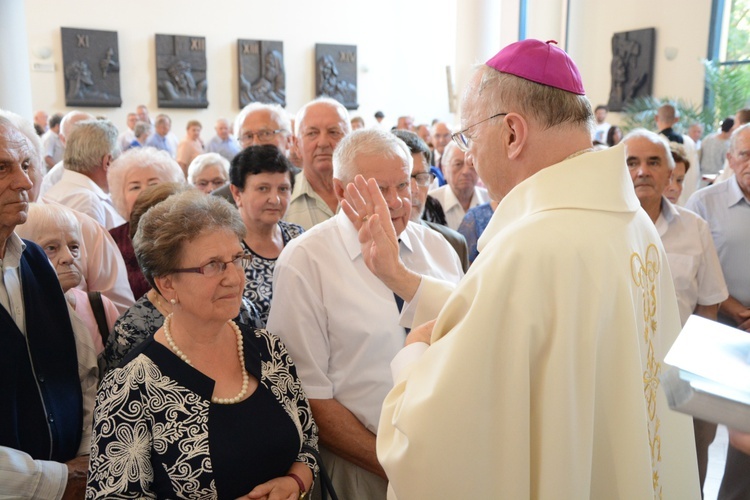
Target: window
x=728 y=61
x=731 y=23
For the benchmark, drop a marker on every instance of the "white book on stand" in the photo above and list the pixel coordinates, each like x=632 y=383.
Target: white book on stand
x=709 y=373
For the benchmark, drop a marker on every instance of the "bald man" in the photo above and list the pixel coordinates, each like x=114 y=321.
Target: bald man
x=223 y=143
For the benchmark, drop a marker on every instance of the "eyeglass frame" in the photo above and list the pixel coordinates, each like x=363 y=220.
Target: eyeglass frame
x=244 y=137
x=432 y=178
x=460 y=138
x=222 y=266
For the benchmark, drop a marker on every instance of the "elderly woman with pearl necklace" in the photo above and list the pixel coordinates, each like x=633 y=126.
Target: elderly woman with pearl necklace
x=205 y=407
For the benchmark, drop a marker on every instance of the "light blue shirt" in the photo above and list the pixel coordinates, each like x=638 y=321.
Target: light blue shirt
x=228 y=149
x=727 y=211
x=159 y=142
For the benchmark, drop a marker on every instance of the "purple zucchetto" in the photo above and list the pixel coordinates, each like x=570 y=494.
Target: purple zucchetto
x=540 y=62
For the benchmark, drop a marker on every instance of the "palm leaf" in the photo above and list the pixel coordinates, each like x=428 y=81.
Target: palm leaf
x=727 y=87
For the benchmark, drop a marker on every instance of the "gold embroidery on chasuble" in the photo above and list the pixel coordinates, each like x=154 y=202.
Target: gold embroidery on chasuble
x=644 y=272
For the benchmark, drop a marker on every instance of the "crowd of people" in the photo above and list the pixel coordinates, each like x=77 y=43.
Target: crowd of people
x=429 y=311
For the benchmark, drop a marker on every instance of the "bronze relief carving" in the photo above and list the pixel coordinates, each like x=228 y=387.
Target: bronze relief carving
x=91 y=68
x=181 y=71
x=336 y=73
x=261 y=72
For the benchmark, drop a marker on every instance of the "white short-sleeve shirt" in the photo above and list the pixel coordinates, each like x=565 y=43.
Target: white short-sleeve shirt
x=695 y=266
x=341 y=323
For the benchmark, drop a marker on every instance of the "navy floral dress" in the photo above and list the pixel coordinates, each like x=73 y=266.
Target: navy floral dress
x=259 y=274
x=158 y=435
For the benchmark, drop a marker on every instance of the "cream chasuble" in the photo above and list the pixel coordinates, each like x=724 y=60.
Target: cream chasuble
x=542 y=378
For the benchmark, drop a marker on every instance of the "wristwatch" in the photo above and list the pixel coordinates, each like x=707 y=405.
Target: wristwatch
x=302 y=492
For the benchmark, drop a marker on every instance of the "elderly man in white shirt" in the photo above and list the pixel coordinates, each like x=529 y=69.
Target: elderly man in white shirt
x=340 y=323
x=461 y=192
x=53 y=144
x=696 y=271
x=67 y=125
x=128 y=135
x=726 y=207
x=88 y=153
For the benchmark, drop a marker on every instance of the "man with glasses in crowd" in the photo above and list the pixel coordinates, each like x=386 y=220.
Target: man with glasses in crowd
x=539 y=377
x=421 y=179
x=340 y=323
x=257 y=124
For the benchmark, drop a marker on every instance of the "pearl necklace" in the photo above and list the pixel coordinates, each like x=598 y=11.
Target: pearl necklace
x=245 y=377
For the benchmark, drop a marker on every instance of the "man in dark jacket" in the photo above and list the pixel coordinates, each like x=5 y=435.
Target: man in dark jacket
x=43 y=432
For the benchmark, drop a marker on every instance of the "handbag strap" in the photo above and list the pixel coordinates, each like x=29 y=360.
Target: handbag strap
x=97 y=306
x=326 y=485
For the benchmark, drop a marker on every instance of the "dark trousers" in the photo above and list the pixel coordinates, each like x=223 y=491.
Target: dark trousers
x=736 y=482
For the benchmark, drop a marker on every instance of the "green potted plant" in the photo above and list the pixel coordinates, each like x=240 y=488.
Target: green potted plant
x=727 y=90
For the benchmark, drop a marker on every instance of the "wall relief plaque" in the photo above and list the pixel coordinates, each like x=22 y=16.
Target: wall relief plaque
x=632 y=66
x=262 y=73
x=91 y=68
x=336 y=73
x=181 y=71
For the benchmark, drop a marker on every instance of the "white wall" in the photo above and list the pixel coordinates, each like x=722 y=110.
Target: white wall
x=15 y=91
x=680 y=24
x=403 y=49
x=545 y=20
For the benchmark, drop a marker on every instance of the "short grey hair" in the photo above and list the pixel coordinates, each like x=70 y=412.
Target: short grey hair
x=27 y=129
x=367 y=142
x=735 y=135
x=503 y=92
x=433 y=127
x=141 y=128
x=278 y=114
x=205 y=160
x=167 y=227
x=324 y=100
x=13 y=121
x=658 y=139
x=42 y=216
x=89 y=142
x=166 y=168
x=71 y=120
